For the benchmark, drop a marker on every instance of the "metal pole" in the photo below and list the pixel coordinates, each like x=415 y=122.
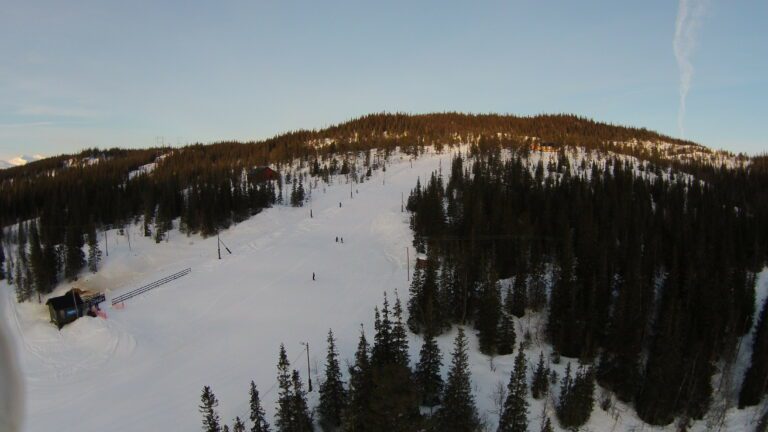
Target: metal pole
x=218 y=244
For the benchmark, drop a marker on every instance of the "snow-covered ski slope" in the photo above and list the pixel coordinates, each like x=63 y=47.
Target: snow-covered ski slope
x=144 y=367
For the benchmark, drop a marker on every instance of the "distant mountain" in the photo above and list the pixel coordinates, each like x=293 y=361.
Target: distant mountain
x=20 y=160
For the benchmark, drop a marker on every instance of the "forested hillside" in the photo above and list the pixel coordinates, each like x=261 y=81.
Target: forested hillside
x=638 y=251
x=652 y=278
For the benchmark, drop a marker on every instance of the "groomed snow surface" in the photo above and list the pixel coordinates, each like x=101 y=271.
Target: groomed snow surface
x=143 y=368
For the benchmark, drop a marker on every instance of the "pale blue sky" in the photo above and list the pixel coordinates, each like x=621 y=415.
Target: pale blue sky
x=77 y=74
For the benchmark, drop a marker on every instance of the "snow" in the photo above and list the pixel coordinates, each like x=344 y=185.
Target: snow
x=143 y=368
x=147 y=168
x=20 y=160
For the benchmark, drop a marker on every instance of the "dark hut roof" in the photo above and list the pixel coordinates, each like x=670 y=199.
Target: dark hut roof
x=66 y=301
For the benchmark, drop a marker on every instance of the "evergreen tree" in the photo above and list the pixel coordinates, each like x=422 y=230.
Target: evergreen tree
x=517 y=299
x=755 y=384
x=333 y=396
x=427 y=373
x=208 y=410
x=94 y=253
x=488 y=314
x=238 y=426
x=301 y=420
x=258 y=418
x=23 y=279
x=458 y=412
x=394 y=404
x=399 y=336
x=514 y=416
x=75 y=258
x=416 y=300
x=2 y=258
x=576 y=398
x=561 y=314
x=360 y=386
x=382 y=351
x=424 y=309
x=540 y=384
x=9 y=270
x=37 y=261
x=284 y=418
x=506 y=335
x=546 y=424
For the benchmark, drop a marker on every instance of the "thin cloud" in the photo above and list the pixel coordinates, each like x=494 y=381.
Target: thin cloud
x=689 y=17
x=26 y=124
x=52 y=111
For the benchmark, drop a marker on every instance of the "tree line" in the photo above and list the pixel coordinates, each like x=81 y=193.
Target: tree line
x=385 y=392
x=650 y=278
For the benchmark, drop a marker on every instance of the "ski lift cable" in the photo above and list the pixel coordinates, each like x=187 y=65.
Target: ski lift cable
x=247 y=414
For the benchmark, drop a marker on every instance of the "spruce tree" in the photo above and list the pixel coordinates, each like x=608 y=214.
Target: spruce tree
x=458 y=412
x=416 y=300
x=75 y=258
x=488 y=314
x=399 y=336
x=208 y=404
x=94 y=253
x=394 y=403
x=546 y=424
x=238 y=426
x=576 y=397
x=540 y=384
x=258 y=418
x=517 y=299
x=37 y=261
x=2 y=258
x=23 y=280
x=427 y=374
x=506 y=335
x=566 y=385
x=333 y=396
x=360 y=386
x=382 y=351
x=514 y=417
x=424 y=306
x=284 y=418
x=300 y=417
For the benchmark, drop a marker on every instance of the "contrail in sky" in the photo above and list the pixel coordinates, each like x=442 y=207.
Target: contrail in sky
x=689 y=16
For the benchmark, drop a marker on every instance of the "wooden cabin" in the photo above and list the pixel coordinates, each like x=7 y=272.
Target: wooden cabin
x=262 y=174
x=547 y=147
x=72 y=305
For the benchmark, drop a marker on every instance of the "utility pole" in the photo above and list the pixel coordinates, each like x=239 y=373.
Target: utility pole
x=309 y=376
x=407 y=264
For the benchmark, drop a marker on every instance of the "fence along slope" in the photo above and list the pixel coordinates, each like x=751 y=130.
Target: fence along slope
x=138 y=291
